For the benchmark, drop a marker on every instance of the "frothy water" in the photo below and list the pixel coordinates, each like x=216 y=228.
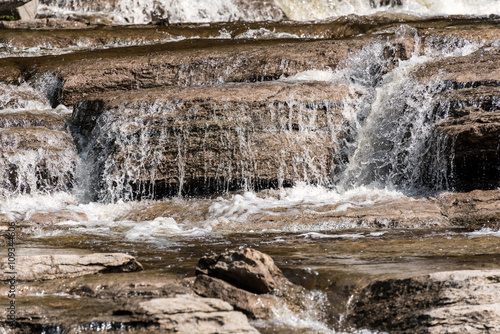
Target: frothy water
x=175 y=11
x=133 y=11
x=307 y=10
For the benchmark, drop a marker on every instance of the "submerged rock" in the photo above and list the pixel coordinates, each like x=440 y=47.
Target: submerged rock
x=190 y=62
x=43 y=267
x=451 y=302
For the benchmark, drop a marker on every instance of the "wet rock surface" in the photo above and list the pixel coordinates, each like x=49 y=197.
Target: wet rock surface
x=454 y=302
x=37 y=152
x=43 y=267
x=209 y=139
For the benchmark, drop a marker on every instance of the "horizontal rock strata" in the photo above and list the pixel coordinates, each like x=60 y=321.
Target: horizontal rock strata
x=37 y=153
x=194 y=62
x=207 y=139
x=470 y=100
x=189 y=314
x=451 y=302
x=43 y=267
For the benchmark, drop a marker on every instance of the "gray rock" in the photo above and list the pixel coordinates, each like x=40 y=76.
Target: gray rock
x=443 y=302
x=44 y=267
x=247 y=269
x=23 y=9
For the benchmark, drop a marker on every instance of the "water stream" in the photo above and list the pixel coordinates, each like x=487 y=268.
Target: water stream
x=109 y=190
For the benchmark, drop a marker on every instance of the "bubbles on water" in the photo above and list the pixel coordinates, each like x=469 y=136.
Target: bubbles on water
x=308 y=10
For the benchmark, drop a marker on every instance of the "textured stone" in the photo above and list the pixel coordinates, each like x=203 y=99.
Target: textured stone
x=247 y=269
x=191 y=62
x=475 y=210
x=254 y=305
x=444 y=302
x=43 y=267
x=209 y=139
x=189 y=314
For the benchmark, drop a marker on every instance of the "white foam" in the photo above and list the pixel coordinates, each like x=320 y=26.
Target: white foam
x=298 y=199
x=316 y=235
x=484 y=232
x=313 y=75
x=307 y=10
x=264 y=33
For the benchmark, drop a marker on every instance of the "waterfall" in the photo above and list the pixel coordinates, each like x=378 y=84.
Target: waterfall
x=175 y=11
x=176 y=147
x=392 y=141
x=37 y=154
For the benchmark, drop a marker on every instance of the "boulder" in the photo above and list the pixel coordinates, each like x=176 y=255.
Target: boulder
x=44 y=267
x=451 y=302
x=256 y=306
x=246 y=269
x=190 y=314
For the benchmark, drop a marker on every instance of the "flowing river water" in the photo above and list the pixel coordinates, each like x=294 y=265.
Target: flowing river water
x=331 y=221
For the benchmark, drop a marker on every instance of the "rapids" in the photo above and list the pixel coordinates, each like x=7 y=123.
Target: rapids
x=342 y=173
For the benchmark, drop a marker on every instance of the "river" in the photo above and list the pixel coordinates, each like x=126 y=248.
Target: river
x=327 y=134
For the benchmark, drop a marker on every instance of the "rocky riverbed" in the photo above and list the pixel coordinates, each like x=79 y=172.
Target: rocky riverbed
x=231 y=168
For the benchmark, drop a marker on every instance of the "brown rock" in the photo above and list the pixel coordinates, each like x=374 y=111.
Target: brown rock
x=247 y=269
x=191 y=62
x=29 y=119
x=475 y=210
x=257 y=306
x=189 y=314
x=209 y=139
x=451 y=302
x=36 y=158
x=470 y=100
x=55 y=217
x=43 y=267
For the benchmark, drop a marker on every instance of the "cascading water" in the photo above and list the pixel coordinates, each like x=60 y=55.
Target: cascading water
x=301 y=10
x=37 y=154
x=152 y=150
x=134 y=11
x=322 y=181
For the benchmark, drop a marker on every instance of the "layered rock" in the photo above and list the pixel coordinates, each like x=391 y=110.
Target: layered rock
x=189 y=314
x=250 y=281
x=451 y=302
x=477 y=209
x=85 y=75
x=37 y=153
x=155 y=143
x=43 y=267
x=470 y=100
x=21 y=9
